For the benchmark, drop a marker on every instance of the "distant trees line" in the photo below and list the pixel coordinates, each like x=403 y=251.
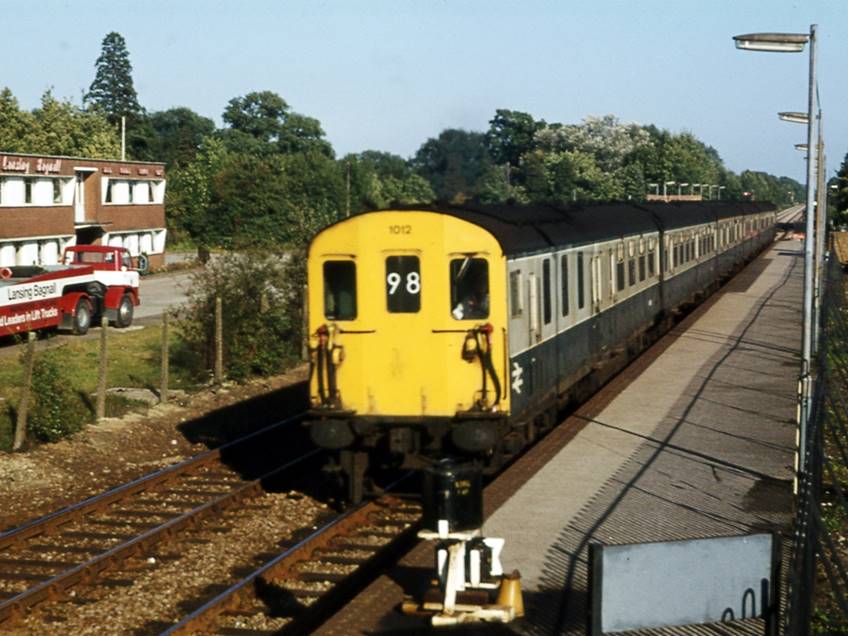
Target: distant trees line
x=269 y=176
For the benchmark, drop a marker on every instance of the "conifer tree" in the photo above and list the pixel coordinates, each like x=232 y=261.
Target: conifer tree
x=112 y=91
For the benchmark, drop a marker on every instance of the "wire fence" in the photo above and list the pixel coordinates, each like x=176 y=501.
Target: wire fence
x=817 y=601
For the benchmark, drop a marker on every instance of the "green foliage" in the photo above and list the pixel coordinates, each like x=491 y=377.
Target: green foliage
x=55 y=128
x=839 y=193
x=511 y=134
x=453 y=163
x=380 y=179
x=263 y=123
x=56 y=412
x=112 y=91
x=261 y=295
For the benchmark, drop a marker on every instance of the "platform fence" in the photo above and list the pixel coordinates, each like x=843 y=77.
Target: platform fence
x=817 y=592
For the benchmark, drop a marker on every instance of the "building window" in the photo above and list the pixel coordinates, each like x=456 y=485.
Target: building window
x=469 y=288
x=563 y=273
x=28 y=184
x=515 y=296
x=57 y=191
x=403 y=284
x=108 y=196
x=340 y=290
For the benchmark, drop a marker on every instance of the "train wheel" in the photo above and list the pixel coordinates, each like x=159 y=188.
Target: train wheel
x=82 y=317
x=125 y=312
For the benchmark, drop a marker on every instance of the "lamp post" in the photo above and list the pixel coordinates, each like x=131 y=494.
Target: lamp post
x=692 y=188
x=710 y=192
x=665 y=191
x=795 y=43
x=718 y=192
x=656 y=187
x=680 y=186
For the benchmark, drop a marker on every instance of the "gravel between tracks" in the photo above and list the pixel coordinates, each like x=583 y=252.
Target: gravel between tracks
x=179 y=576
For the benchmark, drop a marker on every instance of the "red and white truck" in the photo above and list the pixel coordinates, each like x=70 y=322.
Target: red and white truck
x=93 y=281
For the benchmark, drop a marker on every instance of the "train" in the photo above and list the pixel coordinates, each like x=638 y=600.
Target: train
x=464 y=330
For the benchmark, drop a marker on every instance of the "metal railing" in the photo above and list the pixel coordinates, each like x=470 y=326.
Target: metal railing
x=817 y=593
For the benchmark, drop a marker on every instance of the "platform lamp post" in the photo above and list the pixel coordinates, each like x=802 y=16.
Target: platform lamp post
x=665 y=191
x=795 y=43
x=680 y=186
x=718 y=192
x=710 y=192
x=656 y=187
x=692 y=188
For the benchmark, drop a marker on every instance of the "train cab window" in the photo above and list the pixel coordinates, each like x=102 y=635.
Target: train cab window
x=581 y=302
x=469 y=288
x=563 y=273
x=516 y=298
x=547 y=314
x=340 y=290
x=403 y=284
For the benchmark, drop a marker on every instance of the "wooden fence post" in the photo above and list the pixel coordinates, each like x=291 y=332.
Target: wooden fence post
x=163 y=375
x=219 y=342
x=26 y=391
x=101 y=380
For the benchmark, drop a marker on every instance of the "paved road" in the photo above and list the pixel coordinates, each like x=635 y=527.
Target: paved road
x=159 y=293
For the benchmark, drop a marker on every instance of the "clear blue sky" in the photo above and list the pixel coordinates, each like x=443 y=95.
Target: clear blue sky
x=387 y=75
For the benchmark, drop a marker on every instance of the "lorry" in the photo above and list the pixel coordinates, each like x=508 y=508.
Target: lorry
x=92 y=281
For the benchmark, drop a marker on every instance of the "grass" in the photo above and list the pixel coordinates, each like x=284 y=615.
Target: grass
x=133 y=360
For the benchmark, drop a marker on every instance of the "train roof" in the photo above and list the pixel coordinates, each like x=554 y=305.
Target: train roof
x=530 y=228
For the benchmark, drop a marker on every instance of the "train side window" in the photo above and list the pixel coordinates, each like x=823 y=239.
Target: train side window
x=641 y=267
x=403 y=284
x=619 y=274
x=631 y=271
x=581 y=301
x=651 y=262
x=340 y=290
x=516 y=298
x=563 y=273
x=469 y=288
x=547 y=314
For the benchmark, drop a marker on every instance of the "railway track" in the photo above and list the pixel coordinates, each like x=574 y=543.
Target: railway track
x=41 y=561
x=297 y=590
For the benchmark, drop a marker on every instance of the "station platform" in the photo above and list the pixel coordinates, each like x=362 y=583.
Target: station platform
x=696 y=439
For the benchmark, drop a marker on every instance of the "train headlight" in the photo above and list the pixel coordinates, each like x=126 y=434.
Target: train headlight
x=338 y=355
x=469 y=348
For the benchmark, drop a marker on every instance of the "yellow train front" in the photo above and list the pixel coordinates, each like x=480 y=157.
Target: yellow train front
x=407 y=323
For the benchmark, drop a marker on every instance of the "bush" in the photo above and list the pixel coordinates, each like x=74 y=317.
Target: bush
x=55 y=411
x=261 y=296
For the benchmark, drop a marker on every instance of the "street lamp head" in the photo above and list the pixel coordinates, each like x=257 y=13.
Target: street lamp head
x=801 y=147
x=776 y=42
x=683 y=185
x=794 y=117
x=670 y=182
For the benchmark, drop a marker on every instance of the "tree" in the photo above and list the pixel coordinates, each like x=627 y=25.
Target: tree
x=55 y=128
x=177 y=135
x=453 y=163
x=263 y=123
x=511 y=134
x=840 y=197
x=112 y=91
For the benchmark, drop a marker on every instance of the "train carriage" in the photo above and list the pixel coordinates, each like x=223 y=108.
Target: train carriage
x=443 y=330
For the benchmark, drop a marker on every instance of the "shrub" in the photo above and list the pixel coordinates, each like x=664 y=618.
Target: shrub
x=261 y=296
x=55 y=411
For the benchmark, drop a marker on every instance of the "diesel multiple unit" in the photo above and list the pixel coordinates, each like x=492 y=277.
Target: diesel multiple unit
x=462 y=330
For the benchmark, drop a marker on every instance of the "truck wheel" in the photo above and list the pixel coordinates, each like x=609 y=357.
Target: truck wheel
x=125 y=312
x=82 y=317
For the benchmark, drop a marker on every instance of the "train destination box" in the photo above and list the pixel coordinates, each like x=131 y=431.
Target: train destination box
x=672 y=583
